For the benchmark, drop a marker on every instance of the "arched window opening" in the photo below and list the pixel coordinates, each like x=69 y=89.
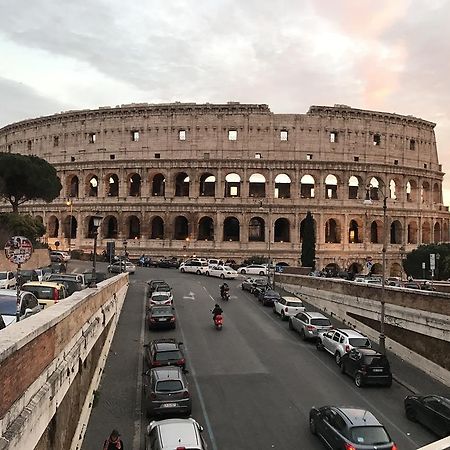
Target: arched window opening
x=256 y=230
x=90 y=228
x=134 y=227
x=376 y=269
x=331 y=187
x=181 y=229
x=392 y=190
x=307 y=186
x=436 y=194
x=374 y=184
x=53 y=227
x=135 y=185
x=425 y=192
x=412 y=233
x=396 y=270
x=411 y=191
x=257 y=185
x=332 y=232
x=109 y=227
x=231 y=229
x=159 y=185
x=70 y=227
x=353 y=232
x=93 y=187
x=355 y=268
x=113 y=185
x=40 y=218
x=232 y=185
x=376 y=232
x=157 y=228
x=206 y=229
x=445 y=236
x=207 y=185
x=74 y=187
x=426 y=233
x=353 y=187
x=182 y=185
x=282 y=186
x=282 y=230
x=437 y=233
x=396 y=232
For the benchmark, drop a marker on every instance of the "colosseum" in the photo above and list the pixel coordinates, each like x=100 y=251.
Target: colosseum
x=236 y=180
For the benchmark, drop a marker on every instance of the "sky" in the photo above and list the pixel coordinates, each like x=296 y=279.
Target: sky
x=384 y=55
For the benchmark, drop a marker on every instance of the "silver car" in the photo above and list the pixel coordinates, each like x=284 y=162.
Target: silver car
x=309 y=324
x=11 y=312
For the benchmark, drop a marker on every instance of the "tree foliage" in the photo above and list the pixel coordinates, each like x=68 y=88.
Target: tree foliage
x=308 y=242
x=12 y=224
x=24 y=178
x=415 y=259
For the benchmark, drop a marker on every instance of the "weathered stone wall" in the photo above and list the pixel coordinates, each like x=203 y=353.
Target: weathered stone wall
x=39 y=258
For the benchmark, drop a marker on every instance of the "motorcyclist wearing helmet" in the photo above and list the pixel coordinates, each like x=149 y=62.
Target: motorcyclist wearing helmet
x=217 y=311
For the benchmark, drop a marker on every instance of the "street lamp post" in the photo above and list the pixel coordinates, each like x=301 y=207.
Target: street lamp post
x=96 y=222
x=70 y=204
x=122 y=263
x=269 y=254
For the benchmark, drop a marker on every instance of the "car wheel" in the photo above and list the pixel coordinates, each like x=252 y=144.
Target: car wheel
x=312 y=425
x=283 y=315
x=291 y=327
x=337 y=358
x=274 y=310
x=198 y=272
x=302 y=334
x=182 y=270
x=261 y=273
x=359 y=380
x=242 y=287
x=243 y=272
x=410 y=413
x=222 y=276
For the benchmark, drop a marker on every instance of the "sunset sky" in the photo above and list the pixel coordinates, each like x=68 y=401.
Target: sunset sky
x=386 y=55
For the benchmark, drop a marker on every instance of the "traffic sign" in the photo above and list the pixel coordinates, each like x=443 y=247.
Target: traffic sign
x=432 y=261
x=18 y=249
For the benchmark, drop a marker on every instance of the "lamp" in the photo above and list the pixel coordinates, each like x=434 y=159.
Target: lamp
x=96 y=222
x=70 y=204
x=122 y=266
x=269 y=243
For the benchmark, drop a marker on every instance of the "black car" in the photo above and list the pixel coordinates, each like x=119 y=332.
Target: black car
x=161 y=317
x=169 y=263
x=260 y=285
x=348 y=427
x=152 y=284
x=99 y=276
x=249 y=283
x=433 y=411
x=269 y=297
x=366 y=366
x=71 y=285
x=164 y=352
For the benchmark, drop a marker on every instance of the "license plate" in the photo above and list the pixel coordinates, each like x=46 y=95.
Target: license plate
x=169 y=405
x=377 y=370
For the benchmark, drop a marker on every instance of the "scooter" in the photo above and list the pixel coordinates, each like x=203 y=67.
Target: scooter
x=218 y=322
x=225 y=295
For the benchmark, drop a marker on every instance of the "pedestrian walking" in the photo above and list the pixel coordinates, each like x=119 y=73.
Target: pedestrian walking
x=113 y=442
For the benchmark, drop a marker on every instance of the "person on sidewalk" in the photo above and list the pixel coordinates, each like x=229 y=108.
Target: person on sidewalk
x=113 y=442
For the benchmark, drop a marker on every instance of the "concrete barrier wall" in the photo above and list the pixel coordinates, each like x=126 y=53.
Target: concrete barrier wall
x=417 y=324
x=46 y=365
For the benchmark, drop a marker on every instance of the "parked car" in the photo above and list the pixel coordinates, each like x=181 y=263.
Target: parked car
x=11 y=312
x=349 y=428
x=166 y=392
x=99 y=277
x=71 y=285
x=160 y=299
x=432 y=411
x=287 y=307
x=221 y=272
x=253 y=269
x=215 y=262
x=193 y=266
x=261 y=285
x=173 y=434
x=152 y=286
x=269 y=297
x=164 y=352
x=77 y=277
x=160 y=316
x=26 y=275
x=122 y=266
x=366 y=366
x=59 y=256
x=7 y=280
x=249 y=283
x=309 y=324
x=43 y=273
x=168 y=263
x=341 y=341
x=47 y=292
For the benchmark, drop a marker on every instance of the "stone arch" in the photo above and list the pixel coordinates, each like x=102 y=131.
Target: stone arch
x=436 y=193
x=110 y=227
x=133 y=227
x=437 y=233
x=257 y=185
x=90 y=229
x=376 y=232
x=232 y=185
x=206 y=229
x=396 y=232
x=302 y=229
x=411 y=191
x=332 y=231
x=307 y=184
x=73 y=186
x=134 y=185
x=257 y=230
x=355 y=228
x=231 y=229
x=92 y=186
x=159 y=185
x=376 y=184
x=426 y=233
x=412 y=232
x=392 y=194
x=181 y=228
x=354 y=184
x=182 y=184
x=112 y=183
x=396 y=270
x=207 y=185
x=53 y=227
x=376 y=269
x=331 y=186
x=425 y=192
x=355 y=268
x=445 y=237
x=332 y=269
x=157 y=228
x=70 y=227
x=282 y=186
x=282 y=230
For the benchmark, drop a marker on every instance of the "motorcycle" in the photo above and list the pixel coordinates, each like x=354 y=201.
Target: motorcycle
x=218 y=322
x=225 y=294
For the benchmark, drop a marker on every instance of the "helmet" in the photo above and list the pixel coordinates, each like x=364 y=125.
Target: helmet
x=217 y=306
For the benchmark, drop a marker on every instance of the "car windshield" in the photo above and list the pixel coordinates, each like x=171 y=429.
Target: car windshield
x=359 y=342
x=376 y=360
x=294 y=304
x=8 y=305
x=320 y=322
x=227 y=268
x=169 y=386
x=2 y=275
x=369 y=435
x=160 y=298
x=166 y=356
x=163 y=288
x=162 y=310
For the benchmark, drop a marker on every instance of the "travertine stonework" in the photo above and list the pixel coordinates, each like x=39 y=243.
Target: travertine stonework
x=236 y=180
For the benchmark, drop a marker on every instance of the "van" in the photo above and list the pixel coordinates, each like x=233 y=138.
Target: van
x=47 y=293
x=193 y=266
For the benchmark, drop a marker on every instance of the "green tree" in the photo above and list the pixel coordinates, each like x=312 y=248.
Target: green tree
x=24 y=178
x=12 y=224
x=415 y=259
x=308 y=232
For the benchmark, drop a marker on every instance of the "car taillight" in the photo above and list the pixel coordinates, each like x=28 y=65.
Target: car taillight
x=156 y=363
x=286 y=309
x=347 y=348
x=152 y=319
x=185 y=394
x=394 y=447
x=172 y=319
x=363 y=368
x=153 y=396
x=55 y=295
x=310 y=327
x=181 y=362
x=349 y=446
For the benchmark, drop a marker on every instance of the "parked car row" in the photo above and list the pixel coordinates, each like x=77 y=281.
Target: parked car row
x=166 y=389
x=200 y=267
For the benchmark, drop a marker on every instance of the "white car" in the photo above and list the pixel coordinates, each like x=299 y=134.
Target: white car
x=193 y=266
x=253 y=269
x=287 y=307
x=161 y=298
x=7 y=280
x=221 y=271
x=64 y=255
x=122 y=266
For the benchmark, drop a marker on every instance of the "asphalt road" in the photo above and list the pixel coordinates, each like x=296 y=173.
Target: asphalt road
x=253 y=383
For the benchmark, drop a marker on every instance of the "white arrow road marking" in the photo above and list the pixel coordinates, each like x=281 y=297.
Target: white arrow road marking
x=191 y=296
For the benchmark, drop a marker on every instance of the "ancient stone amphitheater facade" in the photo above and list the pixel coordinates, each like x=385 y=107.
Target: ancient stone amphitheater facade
x=237 y=180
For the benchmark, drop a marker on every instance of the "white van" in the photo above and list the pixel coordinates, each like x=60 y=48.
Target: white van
x=193 y=266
